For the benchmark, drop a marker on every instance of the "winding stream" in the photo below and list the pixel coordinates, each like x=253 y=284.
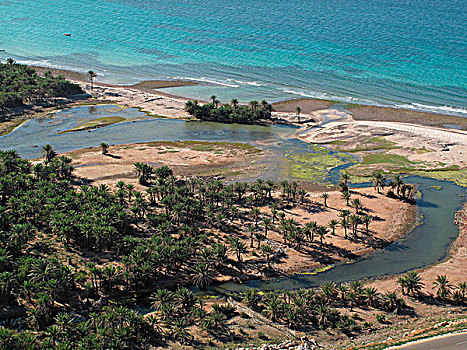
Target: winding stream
x=428 y=243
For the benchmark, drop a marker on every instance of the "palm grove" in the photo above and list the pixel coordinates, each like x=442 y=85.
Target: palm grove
x=21 y=85
x=71 y=257
x=230 y=113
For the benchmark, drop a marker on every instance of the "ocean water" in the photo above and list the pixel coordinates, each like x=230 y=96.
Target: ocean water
x=408 y=53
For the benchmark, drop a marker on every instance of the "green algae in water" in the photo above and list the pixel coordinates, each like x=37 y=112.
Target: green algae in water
x=316 y=271
x=315 y=163
x=457 y=176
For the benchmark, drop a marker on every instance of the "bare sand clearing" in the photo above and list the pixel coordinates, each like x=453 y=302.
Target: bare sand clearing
x=390 y=223
x=185 y=158
x=150 y=101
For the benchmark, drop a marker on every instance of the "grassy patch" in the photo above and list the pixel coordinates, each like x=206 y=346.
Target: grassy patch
x=337 y=142
x=422 y=150
x=94 y=124
x=205 y=146
x=8 y=126
x=149 y=114
x=457 y=176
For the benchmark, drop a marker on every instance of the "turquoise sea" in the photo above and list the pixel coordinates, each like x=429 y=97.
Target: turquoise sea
x=408 y=53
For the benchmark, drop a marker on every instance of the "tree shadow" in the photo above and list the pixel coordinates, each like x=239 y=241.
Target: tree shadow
x=366 y=195
x=114 y=156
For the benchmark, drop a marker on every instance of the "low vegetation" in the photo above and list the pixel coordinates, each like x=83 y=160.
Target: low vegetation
x=95 y=124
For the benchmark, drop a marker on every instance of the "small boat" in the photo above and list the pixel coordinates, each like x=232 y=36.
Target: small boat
x=67 y=34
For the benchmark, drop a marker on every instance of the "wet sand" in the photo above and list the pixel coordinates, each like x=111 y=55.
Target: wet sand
x=306 y=105
x=388 y=114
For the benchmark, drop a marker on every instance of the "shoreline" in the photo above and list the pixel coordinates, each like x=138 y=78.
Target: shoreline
x=308 y=105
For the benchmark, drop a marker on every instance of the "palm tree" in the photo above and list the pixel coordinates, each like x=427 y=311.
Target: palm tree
x=130 y=188
x=267 y=225
x=371 y=295
x=160 y=298
x=234 y=104
x=274 y=214
x=354 y=221
x=238 y=246
x=298 y=110
x=410 y=283
x=332 y=225
x=346 y=195
x=323 y=314
x=251 y=298
x=251 y=230
x=329 y=291
x=267 y=251
x=10 y=61
x=190 y=107
x=255 y=215
x=302 y=193
x=240 y=188
x=345 y=225
x=49 y=153
x=92 y=75
x=357 y=204
x=104 y=147
x=310 y=228
x=345 y=177
x=179 y=330
x=325 y=198
x=367 y=220
x=443 y=287
x=272 y=306
x=322 y=232
x=203 y=275
x=397 y=183
x=254 y=105
x=379 y=180
x=462 y=288
x=392 y=302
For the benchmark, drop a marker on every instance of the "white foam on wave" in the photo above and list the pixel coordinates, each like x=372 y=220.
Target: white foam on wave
x=435 y=109
x=205 y=80
x=47 y=64
x=412 y=106
x=251 y=83
x=305 y=94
